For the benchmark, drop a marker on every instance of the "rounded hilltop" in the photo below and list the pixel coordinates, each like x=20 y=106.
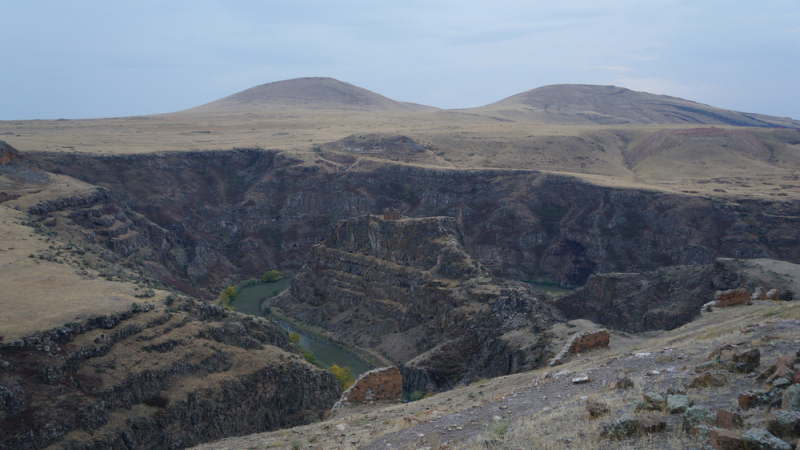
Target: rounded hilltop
x=585 y=104
x=320 y=93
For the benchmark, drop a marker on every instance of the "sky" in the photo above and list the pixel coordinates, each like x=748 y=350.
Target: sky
x=103 y=58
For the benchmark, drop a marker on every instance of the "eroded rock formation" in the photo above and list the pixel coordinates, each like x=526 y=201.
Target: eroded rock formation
x=409 y=290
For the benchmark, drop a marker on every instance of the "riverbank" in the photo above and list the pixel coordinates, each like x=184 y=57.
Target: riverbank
x=254 y=300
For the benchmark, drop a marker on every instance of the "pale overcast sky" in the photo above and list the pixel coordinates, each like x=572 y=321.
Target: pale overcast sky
x=101 y=58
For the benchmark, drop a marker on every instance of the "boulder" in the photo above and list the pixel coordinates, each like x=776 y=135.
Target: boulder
x=707 y=380
x=791 y=398
x=678 y=403
x=695 y=416
x=731 y=360
x=596 y=408
x=761 y=439
x=652 y=401
x=728 y=420
x=627 y=425
x=783 y=367
x=784 y=424
x=725 y=440
x=622 y=383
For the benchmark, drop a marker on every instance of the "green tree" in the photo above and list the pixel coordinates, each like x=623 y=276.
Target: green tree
x=226 y=297
x=294 y=338
x=271 y=276
x=343 y=375
x=230 y=291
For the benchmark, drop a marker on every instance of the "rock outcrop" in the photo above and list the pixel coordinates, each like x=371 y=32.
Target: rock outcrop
x=666 y=298
x=17 y=170
x=156 y=376
x=409 y=290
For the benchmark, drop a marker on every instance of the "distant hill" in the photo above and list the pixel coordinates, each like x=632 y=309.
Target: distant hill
x=580 y=104
x=320 y=93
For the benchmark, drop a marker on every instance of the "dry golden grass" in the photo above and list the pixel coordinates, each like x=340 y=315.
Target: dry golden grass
x=39 y=294
x=459 y=140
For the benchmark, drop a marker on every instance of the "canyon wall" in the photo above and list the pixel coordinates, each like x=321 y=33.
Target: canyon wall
x=211 y=218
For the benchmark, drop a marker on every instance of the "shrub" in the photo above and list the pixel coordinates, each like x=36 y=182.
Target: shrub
x=343 y=375
x=271 y=276
x=226 y=297
x=294 y=338
x=308 y=356
x=230 y=291
x=418 y=395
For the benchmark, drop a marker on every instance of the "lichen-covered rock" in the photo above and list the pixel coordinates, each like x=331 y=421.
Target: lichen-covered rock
x=653 y=401
x=761 y=439
x=784 y=424
x=732 y=360
x=695 y=416
x=791 y=398
x=678 y=403
x=627 y=425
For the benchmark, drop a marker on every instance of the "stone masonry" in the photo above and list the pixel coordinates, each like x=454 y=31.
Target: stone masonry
x=579 y=342
x=382 y=384
x=731 y=297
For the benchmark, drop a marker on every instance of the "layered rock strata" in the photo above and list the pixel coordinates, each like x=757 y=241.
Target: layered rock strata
x=156 y=376
x=409 y=290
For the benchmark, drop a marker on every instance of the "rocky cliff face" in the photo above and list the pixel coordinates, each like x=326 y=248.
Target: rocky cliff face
x=165 y=376
x=669 y=297
x=408 y=289
x=232 y=214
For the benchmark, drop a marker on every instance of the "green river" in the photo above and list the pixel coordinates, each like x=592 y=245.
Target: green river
x=249 y=301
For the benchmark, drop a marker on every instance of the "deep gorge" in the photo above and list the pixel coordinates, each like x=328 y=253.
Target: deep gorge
x=202 y=220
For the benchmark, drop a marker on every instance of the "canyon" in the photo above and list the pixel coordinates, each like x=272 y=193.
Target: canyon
x=645 y=205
